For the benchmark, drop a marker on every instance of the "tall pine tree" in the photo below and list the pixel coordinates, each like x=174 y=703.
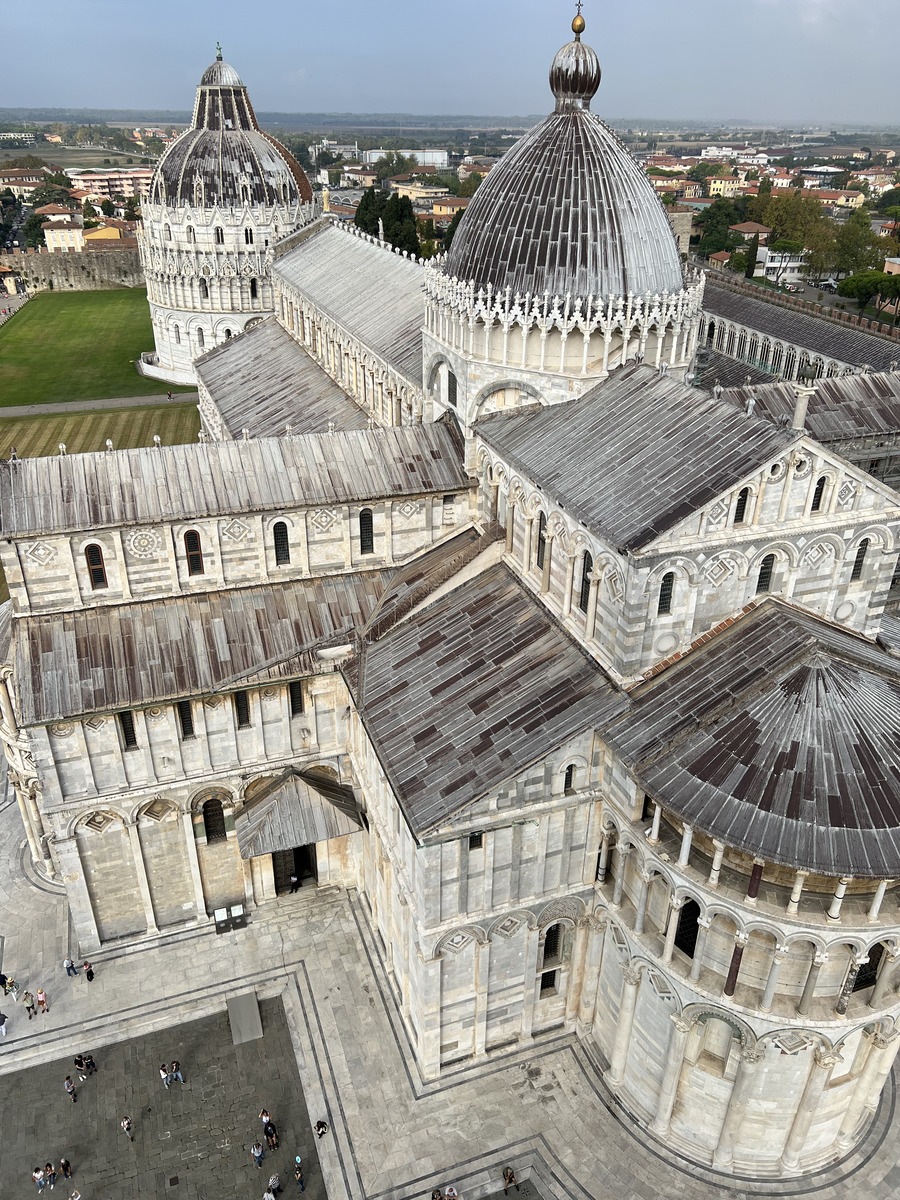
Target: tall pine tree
x=752 y=252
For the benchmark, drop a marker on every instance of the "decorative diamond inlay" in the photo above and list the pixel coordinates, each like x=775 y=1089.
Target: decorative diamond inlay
x=614 y=583
x=235 y=530
x=212 y=702
x=818 y=553
x=792 y=1043
x=41 y=553
x=718 y=513
x=458 y=942
x=95 y=723
x=845 y=492
x=508 y=927
x=717 y=570
x=409 y=508
x=324 y=518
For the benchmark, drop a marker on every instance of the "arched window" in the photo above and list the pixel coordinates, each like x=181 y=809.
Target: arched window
x=248 y=237
x=167 y=232
x=740 y=509
x=201 y=341
x=569 y=779
x=245 y=194
x=766 y=567
x=227 y=334
x=193 y=551
x=686 y=931
x=451 y=389
x=96 y=568
x=666 y=588
x=818 y=494
x=366 y=532
x=191 y=236
x=282 y=545
x=587 y=565
x=214 y=821
x=552 y=945
x=860 y=559
x=253 y=289
x=204 y=290
x=219 y=235
x=868 y=972
x=177 y=336
x=541 y=540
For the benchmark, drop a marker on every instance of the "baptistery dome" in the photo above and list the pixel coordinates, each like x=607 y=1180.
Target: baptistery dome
x=225 y=158
x=568 y=211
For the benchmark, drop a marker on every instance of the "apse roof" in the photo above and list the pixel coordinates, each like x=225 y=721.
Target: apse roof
x=567 y=211
x=779 y=737
x=636 y=454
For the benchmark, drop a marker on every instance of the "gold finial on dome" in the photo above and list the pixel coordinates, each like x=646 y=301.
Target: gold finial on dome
x=578 y=23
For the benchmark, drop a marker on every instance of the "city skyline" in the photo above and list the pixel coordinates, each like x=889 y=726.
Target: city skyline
x=760 y=65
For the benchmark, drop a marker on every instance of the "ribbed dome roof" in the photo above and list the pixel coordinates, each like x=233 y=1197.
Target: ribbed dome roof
x=225 y=158
x=568 y=211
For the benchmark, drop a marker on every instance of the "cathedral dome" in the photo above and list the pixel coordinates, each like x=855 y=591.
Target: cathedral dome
x=567 y=211
x=225 y=159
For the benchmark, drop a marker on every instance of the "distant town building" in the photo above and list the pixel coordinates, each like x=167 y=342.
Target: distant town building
x=117 y=181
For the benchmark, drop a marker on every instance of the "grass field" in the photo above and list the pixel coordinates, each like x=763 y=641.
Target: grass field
x=125 y=427
x=77 y=346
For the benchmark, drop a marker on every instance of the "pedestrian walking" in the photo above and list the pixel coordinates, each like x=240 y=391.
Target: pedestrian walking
x=50 y=1174
x=437 y=1194
x=164 y=1075
x=268 y=1194
x=90 y=1065
x=28 y=1001
x=11 y=988
x=70 y=1089
x=127 y=1128
x=451 y=1193
x=295 y=883
x=175 y=1071
x=257 y=1151
x=509 y=1180
x=271 y=1135
x=264 y=1116
x=274 y=1184
x=88 y=971
x=69 y=964
x=168 y=395
x=321 y=1129
x=80 y=1067
x=298 y=1173
x=76 y=1195
x=3 y=1019
x=43 y=1002
x=37 y=1176
x=66 y=1167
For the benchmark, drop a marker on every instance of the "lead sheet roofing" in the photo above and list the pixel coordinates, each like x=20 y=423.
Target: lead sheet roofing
x=636 y=454
x=848 y=406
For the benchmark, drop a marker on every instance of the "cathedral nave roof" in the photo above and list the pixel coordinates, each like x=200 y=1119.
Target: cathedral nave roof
x=146 y=652
x=177 y=483
x=781 y=737
x=373 y=293
x=264 y=380
x=636 y=454
x=468 y=691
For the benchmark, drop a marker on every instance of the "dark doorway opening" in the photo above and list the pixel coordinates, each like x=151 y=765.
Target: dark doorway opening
x=301 y=861
x=686 y=933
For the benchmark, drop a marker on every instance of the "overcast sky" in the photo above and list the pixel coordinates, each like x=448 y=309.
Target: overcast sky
x=792 y=61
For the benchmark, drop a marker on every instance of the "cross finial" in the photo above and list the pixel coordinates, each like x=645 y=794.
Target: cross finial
x=578 y=6
x=219 y=46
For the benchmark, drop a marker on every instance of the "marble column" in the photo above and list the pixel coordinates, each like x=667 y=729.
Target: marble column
x=810 y=986
x=734 y=967
x=668 y=1090
x=736 y=1113
x=716 y=867
x=834 y=912
x=482 y=967
x=81 y=909
x=685 y=852
x=846 y=991
x=532 y=952
x=632 y=979
x=603 y=857
x=576 y=967
x=672 y=927
x=526 y=544
x=643 y=897
x=883 y=980
x=593 y=595
x=510 y=525
x=570 y=583
x=882 y=1050
x=263 y=878
x=187 y=825
x=768 y=995
x=140 y=867
x=817 y=1080
x=653 y=836
x=429 y=1015
x=752 y=896
x=548 y=562
x=700 y=948
x=796 y=890
x=34 y=844
x=619 y=885
x=877 y=900
x=596 y=929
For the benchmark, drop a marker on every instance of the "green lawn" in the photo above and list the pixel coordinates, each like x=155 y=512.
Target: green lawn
x=77 y=346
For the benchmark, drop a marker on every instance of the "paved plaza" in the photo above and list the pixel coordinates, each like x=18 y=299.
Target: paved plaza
x=333 y=1047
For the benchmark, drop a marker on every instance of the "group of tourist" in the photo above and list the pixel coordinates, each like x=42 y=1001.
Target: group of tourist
x=46 y=1177
x=257 y=1153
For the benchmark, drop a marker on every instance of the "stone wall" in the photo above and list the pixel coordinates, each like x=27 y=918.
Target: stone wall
x=91 y=271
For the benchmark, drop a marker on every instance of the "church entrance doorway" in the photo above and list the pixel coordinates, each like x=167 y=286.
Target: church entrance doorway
x=300 y=861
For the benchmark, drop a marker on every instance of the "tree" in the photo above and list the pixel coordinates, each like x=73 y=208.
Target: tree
x=88 y=211
x=452 y=227
x=797 y=182
x=820 y=250
x=791 y=214
x=714 y=223
x=752 y=252
x=857 y=246
x=470 y=186
x=864 y=286
x=107 y=208
x=50 y=193
x=756 y=205
x=889 y=198
x=392 y=163
x=738 y=262
x=34 y=234
x=369 y=209
x=399 y=223
x=132 y=209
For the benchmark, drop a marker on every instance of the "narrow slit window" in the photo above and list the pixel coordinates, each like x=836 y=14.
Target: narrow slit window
x=476 y=841
x=248 y=237
x=242 y=709
x=252 y=289
x=220 y=235
x=740 y=509
x=541 y=541
x=193 y=551
x=177 y=336
x=666 y=588
x=860 y=559
x=200 y=338
x=282 y=545
x=126 y=724
x=204 y=293
x=185 y=718
x=96 y=567
x=587 y=565
x=190 y=233
x=295 y=690
x=818 y=494
x=569 y=779
x=366 y=532
x=766 y=567
x=451 y=389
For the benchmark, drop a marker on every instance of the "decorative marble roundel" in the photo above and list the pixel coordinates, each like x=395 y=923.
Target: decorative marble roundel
x=844 y=611
x=143 y=543
x=61 y=730
x=664 y=644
